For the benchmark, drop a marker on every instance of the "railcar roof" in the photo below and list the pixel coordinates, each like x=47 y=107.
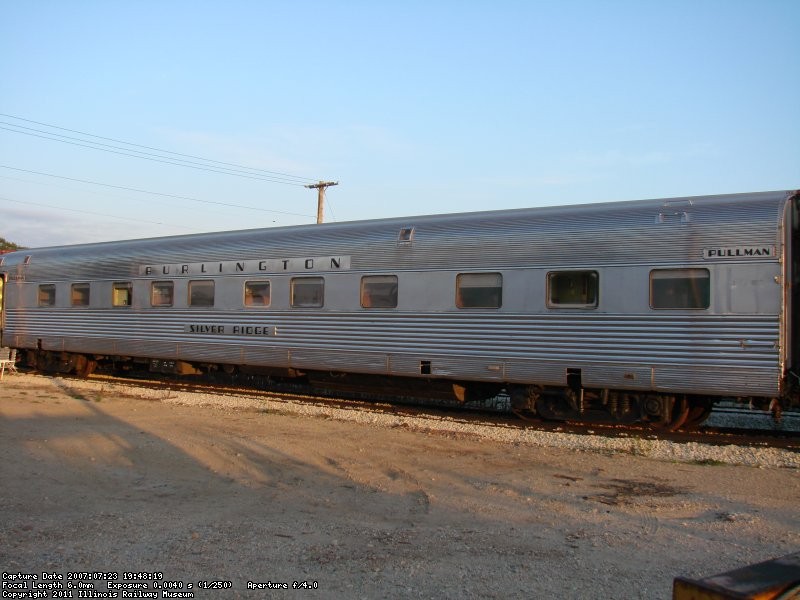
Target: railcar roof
x=767 y=205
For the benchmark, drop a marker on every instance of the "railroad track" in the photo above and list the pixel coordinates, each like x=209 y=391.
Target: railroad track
x=785 y=435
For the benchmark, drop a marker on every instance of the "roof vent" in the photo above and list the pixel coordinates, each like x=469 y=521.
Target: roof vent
x=406 y=236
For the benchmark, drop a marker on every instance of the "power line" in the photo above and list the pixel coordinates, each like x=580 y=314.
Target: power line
x=143 y=157
x=106 y=194
x=329 y=204
x=231 y=169
x=93 y=213
x=284 y=175
x=130 y=189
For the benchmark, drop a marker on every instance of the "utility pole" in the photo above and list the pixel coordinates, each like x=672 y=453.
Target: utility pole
x=321 y=187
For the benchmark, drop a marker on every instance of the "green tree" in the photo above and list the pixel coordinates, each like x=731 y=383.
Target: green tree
x=6 y=245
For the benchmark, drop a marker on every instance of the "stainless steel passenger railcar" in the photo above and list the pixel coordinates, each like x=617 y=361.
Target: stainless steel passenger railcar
x=642 y=310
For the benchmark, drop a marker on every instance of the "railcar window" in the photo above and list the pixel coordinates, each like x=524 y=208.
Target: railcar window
x=80 y=294
x=47 y=295
x=256 y=293
x=379 y=291
x=201 y=293
x=680 y=288
x=162 y=293
x=572 y=289
x=308 y=292
x=479 y=290
x=122 y=294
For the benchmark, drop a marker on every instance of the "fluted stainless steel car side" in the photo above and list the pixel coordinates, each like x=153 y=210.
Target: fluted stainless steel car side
x=741 y=345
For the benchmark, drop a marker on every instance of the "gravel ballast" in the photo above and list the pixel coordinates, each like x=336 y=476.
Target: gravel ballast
x=650 y=448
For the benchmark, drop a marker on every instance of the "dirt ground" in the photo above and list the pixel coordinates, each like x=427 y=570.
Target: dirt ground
x=99 y=482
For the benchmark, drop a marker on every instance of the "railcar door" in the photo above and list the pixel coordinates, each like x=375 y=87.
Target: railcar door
x=793 y=283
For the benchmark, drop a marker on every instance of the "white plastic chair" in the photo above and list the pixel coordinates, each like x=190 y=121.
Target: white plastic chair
x=8 y=360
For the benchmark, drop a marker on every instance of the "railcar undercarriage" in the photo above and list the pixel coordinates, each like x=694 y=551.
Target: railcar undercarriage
x=662 y=411
x=568 y=403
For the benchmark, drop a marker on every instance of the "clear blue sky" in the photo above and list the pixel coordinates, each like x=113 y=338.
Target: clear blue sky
x=415 y=107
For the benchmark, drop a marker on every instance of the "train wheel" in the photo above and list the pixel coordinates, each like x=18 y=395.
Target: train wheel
x=524 y=399
x=698 y=413
x=85 y=366
x=680 y=412
x=678 y=415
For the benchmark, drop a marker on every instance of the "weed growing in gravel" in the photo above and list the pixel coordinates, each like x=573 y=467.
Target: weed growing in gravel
x=639 y=447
